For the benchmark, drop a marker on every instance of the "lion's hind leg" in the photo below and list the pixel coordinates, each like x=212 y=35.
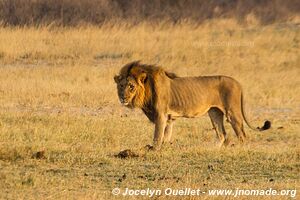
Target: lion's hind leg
x=236 y=121
x=217 y=116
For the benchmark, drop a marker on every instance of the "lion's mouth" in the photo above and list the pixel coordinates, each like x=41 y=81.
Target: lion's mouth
x=124 y=103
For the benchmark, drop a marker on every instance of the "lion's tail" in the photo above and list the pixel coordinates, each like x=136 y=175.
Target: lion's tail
x=266 y=125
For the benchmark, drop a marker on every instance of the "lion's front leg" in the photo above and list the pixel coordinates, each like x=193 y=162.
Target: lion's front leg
x=160 y=125
x=168 y=131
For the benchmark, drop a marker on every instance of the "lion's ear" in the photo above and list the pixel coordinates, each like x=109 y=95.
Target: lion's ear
x=117 y=78
x=142 y=77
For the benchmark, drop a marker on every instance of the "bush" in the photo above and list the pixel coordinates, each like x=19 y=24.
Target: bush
x=75 y=12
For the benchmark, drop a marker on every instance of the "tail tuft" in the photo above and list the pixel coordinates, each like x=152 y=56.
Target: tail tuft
x=266 y=126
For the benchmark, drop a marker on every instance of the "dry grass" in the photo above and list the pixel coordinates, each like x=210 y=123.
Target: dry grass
x=57 y=95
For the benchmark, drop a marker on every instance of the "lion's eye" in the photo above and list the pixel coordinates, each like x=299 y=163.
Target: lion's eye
x=131 y=87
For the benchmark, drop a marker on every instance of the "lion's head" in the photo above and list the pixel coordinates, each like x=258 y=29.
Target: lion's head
x=132 y=84
x=137 y=83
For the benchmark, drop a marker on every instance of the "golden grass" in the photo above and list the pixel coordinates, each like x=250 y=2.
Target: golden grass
x=259 y=55
x=57 y=95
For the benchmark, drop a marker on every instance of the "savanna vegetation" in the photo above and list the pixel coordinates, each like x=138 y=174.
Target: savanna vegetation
x=61 y=124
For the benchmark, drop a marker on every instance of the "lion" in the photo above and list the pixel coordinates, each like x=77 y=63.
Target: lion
x=163 y=97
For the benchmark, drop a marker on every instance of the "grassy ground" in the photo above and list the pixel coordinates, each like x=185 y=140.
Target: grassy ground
x=57 y=97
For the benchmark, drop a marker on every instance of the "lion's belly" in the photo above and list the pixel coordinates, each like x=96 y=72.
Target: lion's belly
x=189 y=113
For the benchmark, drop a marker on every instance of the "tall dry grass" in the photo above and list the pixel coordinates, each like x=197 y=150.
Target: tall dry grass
x=79 y=63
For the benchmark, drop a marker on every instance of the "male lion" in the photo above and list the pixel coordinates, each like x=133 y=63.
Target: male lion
x=163 y=97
